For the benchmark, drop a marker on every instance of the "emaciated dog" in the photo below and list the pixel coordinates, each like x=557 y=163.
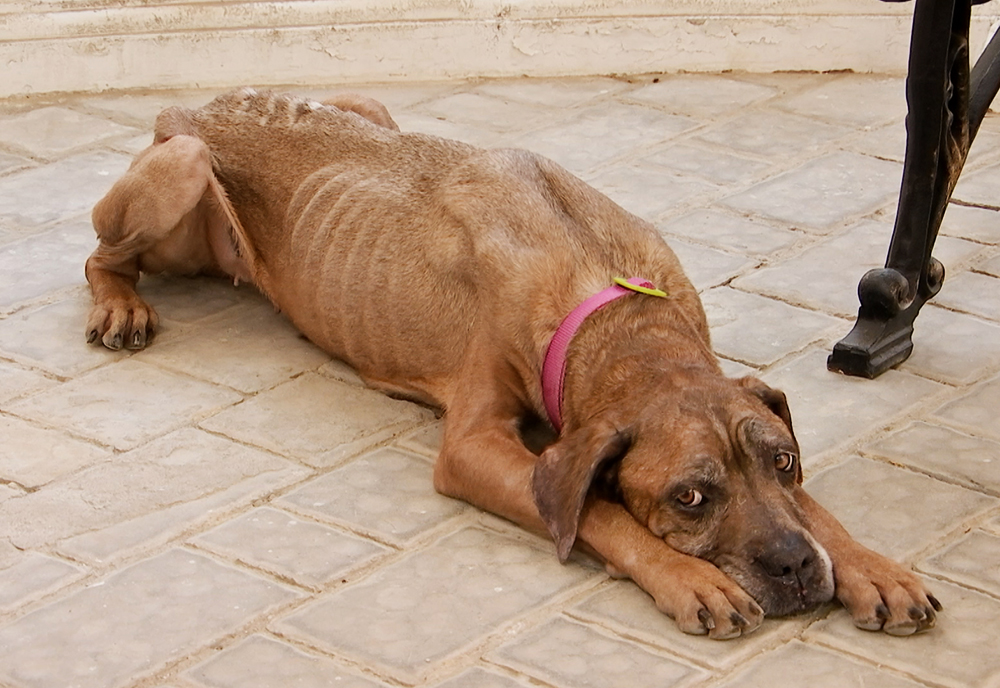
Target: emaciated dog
x=453 y=275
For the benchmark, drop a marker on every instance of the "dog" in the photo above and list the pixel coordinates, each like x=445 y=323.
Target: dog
x=496 y=286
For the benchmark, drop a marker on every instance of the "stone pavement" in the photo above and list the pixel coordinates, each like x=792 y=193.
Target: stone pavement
x=232 y=508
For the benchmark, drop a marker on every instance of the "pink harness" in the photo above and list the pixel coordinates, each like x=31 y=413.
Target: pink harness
x=554 y=366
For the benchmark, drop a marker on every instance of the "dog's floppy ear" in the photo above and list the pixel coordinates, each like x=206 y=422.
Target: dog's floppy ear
x=774 y=399
x=563 y=475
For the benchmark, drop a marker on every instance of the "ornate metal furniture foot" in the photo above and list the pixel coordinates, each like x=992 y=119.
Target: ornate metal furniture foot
x=946 y=105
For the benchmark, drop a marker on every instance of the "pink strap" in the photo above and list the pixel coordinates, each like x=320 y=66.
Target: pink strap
x=554 y=366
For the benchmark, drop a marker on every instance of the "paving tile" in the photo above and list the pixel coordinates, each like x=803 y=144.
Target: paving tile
x=888 y=142
x=149 y=530
x=142 y=108
x=876 y=99
x=317 y=420
x=973 y=561
x=774 y=135
x=31 y=576
x=39 y=264
x=16 y=381
x=972 y=292
x=418 y=609
x=132 y=145
x=971 y=461
x=418 y=122
x=953 y=347
x=708 y=267
x=572 y=655
x=310 y=554
x=9 y=554
x=701 y=96
x=736 y=369
x=125 y=404
x=829 y=409
x=826 y=275
x=758 y=330
x=254 y=349
x=9 y=491
x=823 y=191
x=797 y=664
x=52 y=338
x=81 y=181
x=487 y=112
x=395 y=96
x=480 y=678
x=892 y=510
x=133 y=623
x=552 y=95
x=182 y=467
x=990 y=267
x=731 y=232
x=629 y=611
x=974 y=411
x=50 y=131
x=189 y=300
x=387 y=494
x=340 y=371
x=262 y=662
x=32 y=456
x=425 y=441
x=599 y=134
x=979 y=187
x=984 y=150
x=9 y=163
x=959 y=652
x=708 y=164
x=648 y=191
x=977 y=224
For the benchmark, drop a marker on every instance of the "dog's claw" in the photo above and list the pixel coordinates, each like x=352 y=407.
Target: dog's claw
x=138 y=340
x=706 y=619
x=92 y=336
x=882 y=613
x=934 y=603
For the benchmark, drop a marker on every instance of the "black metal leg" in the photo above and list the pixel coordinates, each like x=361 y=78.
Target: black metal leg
x=946 y=106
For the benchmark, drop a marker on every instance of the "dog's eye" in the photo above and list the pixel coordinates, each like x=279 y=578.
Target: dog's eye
x=785 y=461
x=691 y=498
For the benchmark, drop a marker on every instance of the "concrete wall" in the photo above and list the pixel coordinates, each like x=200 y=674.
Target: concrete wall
x=93 y=45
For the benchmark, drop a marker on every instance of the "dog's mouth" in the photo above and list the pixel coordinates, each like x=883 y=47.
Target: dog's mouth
x=784 y=592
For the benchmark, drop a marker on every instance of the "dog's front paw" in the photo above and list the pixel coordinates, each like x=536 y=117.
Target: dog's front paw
x=704 y=600
x=881 y=595
x=122 y=322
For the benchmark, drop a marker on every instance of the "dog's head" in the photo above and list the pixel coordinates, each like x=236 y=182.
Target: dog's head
x=708 y=464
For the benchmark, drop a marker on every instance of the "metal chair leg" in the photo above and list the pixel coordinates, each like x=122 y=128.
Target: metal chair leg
x=946 y=105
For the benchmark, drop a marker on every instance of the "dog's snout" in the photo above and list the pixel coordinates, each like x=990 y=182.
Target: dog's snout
x=788 y=557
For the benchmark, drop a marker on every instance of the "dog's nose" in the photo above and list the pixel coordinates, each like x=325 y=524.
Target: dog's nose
x=788 y=557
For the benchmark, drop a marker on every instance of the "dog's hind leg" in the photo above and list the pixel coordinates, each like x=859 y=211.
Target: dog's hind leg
x=369 y=108
x=147 y=221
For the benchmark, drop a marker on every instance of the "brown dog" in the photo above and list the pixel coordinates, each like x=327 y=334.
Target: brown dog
x=440 y=272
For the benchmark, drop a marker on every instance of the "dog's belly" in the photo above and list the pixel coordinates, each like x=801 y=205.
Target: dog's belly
x=377 y=278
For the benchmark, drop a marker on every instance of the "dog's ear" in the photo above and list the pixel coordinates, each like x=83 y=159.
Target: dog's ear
x=774 y=399
x=564 y=473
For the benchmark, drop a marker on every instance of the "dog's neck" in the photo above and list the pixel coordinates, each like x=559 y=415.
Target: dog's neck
x=637 y=338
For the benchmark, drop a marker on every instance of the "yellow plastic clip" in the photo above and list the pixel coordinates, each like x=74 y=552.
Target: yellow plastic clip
x=622 y=282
